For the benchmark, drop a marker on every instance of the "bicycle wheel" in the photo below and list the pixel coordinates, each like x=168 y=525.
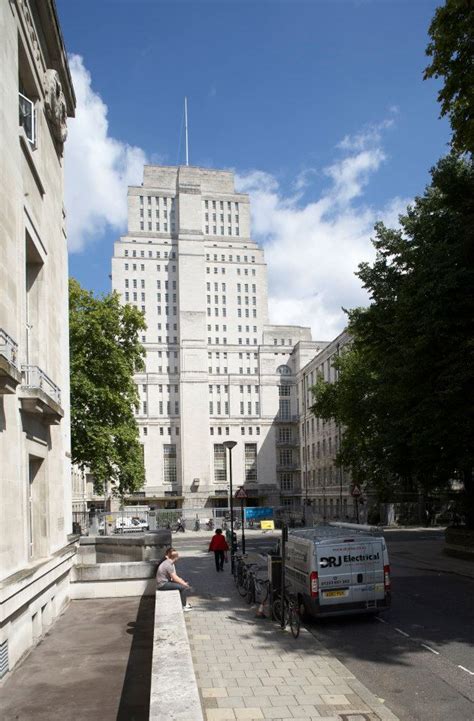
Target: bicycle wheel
x=294 y=620
x=277 y=611
x=250 y=595
x=242 y=584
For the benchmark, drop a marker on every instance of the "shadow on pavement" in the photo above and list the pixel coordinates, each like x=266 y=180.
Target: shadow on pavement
x=368 y=639
x=135 y=697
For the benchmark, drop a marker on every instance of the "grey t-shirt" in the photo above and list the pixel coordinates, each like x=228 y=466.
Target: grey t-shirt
x=165 y=569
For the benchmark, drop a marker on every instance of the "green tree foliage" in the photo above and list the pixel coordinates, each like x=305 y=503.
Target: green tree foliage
x=105 y=353
x=452 y=51
x=405 y=388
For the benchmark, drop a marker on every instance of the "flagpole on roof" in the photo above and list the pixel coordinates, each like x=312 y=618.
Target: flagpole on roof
x=186 y=128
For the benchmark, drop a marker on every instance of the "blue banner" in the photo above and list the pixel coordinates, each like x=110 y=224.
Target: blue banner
x=259 y=513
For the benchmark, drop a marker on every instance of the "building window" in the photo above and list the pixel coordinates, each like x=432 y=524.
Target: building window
x=220 y=463
x=250 y=461
x=285 y=457
x=28 y=117
x=286 y=482
x=169 y=463
x=284 y=435
x=284 y=409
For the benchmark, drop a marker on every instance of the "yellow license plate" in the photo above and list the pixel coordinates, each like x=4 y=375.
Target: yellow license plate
x=333 y=594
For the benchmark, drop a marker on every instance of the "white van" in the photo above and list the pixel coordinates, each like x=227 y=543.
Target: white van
x=338 y=569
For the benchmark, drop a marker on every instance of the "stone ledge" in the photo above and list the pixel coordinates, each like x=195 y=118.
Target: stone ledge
x=174 y=693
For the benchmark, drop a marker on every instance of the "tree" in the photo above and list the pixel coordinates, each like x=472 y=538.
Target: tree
x=405 y=388
x=105 y=353
x=452 y=51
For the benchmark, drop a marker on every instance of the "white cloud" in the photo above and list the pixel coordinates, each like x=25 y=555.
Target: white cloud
x=98 y=167
x=313 y=248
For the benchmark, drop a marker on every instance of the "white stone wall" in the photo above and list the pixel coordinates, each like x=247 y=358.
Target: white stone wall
x=209 y=347
x=35 y=479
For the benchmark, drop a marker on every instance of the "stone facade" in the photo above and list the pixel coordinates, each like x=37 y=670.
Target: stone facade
x=35 y=482
x=215 y=368
x=325 y=488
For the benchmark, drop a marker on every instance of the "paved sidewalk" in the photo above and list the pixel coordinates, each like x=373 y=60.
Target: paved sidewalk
x=247 y=668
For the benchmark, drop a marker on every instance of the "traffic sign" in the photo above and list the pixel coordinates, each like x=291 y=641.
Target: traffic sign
x=356 y=492
x=241 y=493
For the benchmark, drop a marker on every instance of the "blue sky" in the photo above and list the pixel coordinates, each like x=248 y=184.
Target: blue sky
x=320 y=108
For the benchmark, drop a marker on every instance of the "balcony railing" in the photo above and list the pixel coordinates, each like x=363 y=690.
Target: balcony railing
x=287 y=418
x=34 y=377
x=8 y=348
x=287 y=467
x=289 y=442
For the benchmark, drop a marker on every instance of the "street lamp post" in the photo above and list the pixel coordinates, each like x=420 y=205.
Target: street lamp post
x=230 y=445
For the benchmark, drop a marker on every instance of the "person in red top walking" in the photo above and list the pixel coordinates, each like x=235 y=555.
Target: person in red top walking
x=219 y=545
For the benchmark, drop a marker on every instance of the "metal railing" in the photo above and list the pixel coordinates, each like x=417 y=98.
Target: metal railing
x=8 y=348
x=34 y=377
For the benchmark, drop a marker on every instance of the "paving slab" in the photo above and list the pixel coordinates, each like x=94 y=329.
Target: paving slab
x=261 y=671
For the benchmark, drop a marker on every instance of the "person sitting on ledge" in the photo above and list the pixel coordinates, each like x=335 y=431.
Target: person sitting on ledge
x=168 y=580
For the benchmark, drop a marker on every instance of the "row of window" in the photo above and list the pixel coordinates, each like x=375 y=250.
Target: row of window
x=329 y=474
x=217 y=371
x=166 y=268
x=244 y=430
x=133 y=254
x=158 y=227
x=225 y=388
x=213 y=204
x=320 y=449
x=217 y=355
x=158 y=199
x=230 y=258
x=223 y=312
x=214 y=230
x=217 y=341
x=217 y=408
x=157 y=214
x=221 y=218
x=143 y=283
x=164 y=431
x=169 y=388
x=164 y=408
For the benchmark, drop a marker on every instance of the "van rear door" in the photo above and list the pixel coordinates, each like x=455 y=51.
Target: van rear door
x=334 y=572
x=367 y=560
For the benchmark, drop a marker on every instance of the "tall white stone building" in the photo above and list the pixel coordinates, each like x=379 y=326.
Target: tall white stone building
x=35 y=486
x=215 y=369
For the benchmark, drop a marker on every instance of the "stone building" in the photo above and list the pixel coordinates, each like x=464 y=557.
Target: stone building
x=35 y=486
x=324 y=485
x=215 y=369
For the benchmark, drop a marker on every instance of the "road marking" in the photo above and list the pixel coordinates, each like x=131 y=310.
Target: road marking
x=431 y=649
x=399 y=630
x=466 y=669
x=381 y=620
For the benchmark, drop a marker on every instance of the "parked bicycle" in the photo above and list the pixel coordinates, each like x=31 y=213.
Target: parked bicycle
x=241 y=571
x=290 y=611
x=258 y=587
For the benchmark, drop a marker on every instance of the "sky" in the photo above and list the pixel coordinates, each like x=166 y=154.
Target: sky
x=318 y=106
